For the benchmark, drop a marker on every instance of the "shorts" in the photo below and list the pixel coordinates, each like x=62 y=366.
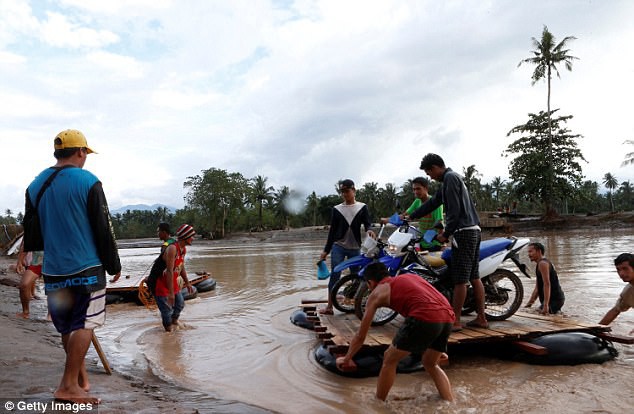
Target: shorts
x=72 y=310
x=465 y=256
x=37 y=269
x=416 y=336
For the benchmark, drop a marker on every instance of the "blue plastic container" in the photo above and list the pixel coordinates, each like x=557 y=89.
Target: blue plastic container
x=322 y=270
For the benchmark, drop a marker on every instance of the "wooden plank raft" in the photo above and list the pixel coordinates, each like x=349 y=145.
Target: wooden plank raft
x=336 y=331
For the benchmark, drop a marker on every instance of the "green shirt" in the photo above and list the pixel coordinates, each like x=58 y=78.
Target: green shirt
x=427 y=222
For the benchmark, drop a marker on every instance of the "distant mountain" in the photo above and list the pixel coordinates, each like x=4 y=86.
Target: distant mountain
x=141 y=207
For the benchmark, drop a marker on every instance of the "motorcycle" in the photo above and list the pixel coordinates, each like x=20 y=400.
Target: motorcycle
x=343 y=292
x=504 y=291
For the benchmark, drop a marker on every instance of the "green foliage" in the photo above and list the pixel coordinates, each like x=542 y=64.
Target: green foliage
x=140 y=223
x=219 y=196
x=536 y=176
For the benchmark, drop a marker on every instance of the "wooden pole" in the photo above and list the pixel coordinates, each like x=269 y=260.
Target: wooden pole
x=102 y=356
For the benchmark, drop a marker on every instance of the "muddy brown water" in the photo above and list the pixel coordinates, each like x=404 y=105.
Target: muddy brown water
x=237 y=343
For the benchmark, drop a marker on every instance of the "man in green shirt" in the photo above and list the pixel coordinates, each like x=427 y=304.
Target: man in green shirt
x=420 y=187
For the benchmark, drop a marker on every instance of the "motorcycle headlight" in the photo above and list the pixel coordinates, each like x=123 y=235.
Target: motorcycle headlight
x=392 y=249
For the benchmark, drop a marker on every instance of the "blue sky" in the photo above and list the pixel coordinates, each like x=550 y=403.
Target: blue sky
x=302 y=92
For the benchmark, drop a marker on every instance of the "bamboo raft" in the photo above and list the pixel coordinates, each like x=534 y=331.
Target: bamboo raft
x=336 y=331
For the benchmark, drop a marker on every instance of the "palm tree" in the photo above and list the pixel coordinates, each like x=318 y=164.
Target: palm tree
x=281 y=209
x=497 y=185
x=610 y=183
x=629 y=157
x=546 y=57
x=625 y=194
x=261 y=192
x=472 y=182
x=312 y=202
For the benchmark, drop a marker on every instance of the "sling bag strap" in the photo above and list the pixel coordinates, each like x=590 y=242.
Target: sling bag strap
x=47 y=183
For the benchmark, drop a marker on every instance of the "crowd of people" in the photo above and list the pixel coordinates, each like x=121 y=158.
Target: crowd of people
x=66 y=211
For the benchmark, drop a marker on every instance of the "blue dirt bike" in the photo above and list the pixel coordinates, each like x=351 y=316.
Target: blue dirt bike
x=503 y=288
x=344 y=291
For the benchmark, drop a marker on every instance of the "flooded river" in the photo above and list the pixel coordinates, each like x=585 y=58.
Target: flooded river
x=239 y=345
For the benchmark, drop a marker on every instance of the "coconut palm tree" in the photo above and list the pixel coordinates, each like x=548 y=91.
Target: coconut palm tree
x=610 y=182
x=629 y=157
x=281 y=210
x=546 y=56
x=625 y=195
x=261 y=192
x=497 y=186
x=312 y=201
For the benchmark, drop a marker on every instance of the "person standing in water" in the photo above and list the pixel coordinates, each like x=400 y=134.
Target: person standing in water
x=344 y=236
x=547 y=286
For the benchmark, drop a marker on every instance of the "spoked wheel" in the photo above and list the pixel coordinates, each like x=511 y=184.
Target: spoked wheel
x=503 y=294
x=382 y=315
x=344 y=291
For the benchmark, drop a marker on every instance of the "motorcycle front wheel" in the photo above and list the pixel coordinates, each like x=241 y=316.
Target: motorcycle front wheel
x=381 y=316
x=344 y=291
x=503 y=294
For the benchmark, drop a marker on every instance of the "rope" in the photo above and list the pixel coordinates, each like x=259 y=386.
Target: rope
x=146 y=297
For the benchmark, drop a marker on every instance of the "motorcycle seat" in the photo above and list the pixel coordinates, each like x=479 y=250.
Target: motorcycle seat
x=433 y=259
x=487 y=248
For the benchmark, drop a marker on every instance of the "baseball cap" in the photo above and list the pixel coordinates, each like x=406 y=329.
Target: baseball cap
x=184 y=232
x=346 y=184
x=71 y=138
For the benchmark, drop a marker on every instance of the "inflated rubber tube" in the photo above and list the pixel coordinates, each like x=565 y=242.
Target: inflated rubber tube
x=300 y=318
x=368 y=363
x=113 y=298
x=206 y=285
x=187 y=295
x=571 y=348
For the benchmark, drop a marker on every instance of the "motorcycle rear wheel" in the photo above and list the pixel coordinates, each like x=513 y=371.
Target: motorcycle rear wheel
x=503 y=294
x=382 y=315
x=344 y=291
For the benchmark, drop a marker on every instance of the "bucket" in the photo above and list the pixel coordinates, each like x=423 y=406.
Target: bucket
x=322 y=270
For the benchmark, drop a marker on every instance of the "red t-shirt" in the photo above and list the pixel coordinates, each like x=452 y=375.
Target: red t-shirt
x=161 y=282
x=413 y=296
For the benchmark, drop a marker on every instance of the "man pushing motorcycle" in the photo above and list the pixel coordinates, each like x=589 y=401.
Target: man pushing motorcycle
x=462 y=224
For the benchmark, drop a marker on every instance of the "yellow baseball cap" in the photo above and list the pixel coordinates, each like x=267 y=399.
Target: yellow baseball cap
x=71 y=138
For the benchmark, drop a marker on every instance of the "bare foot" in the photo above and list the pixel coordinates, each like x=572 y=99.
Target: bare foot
x=83 y=382
x=23 y=315
x=75 y=395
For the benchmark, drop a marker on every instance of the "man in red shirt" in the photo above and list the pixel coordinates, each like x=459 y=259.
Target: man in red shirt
x=428 y=321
